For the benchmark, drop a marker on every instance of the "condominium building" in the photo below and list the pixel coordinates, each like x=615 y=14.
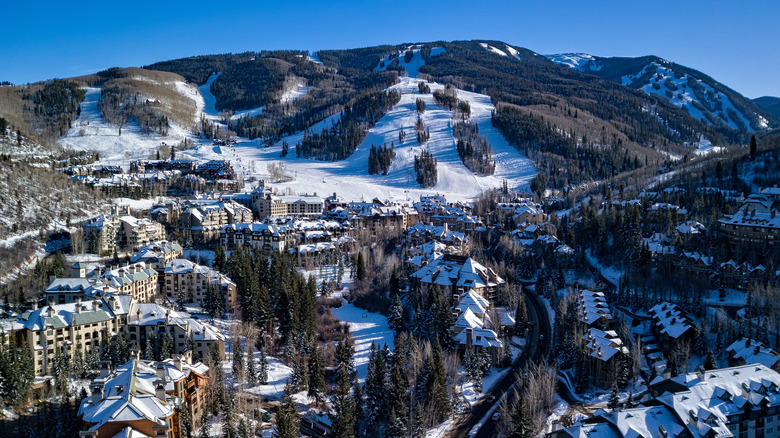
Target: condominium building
x=192 y=282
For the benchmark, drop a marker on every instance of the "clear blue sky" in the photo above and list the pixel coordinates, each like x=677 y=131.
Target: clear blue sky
x=736 y=42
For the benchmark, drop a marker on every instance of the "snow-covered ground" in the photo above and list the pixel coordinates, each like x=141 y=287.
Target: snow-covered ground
x=575 y=61
x=91 y=132
x=349 y=177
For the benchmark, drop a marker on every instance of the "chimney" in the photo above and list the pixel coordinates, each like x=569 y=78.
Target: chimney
x=78 y=305
x=159 y=389
x=52 y=277
x=105 y=368
x=94 y=305
x=105 y=290
x=469 y=336
x=700 y=373
x=88 y=434
x=757 y=349
x=160 y=371
x=177 y=361
x=51 y=311
x=35 y=305
x=667 y=373
x=97 y=391
x=112 y=303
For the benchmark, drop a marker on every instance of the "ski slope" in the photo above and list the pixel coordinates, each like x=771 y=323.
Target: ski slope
x=91 y=132
x=349 y=177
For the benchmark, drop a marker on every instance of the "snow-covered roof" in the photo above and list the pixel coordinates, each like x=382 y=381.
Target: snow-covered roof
x=708 y=398
x=603 y=345
x=128 y=396
x=752 y=351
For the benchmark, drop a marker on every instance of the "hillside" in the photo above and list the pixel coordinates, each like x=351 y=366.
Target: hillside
x=33 y=199
x=703 y=97
x=770 y=104
x=350 y=178
x=131 y=112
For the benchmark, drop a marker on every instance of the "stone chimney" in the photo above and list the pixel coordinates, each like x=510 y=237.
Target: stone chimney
x=159 y=389
x=177 y=361
x=35 y=305
x=667 y=373
x=112 y=303
x=700 y=373
x=95 y=305
x=160 y=370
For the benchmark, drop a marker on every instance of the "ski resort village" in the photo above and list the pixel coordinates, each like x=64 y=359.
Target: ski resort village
x=449 y=239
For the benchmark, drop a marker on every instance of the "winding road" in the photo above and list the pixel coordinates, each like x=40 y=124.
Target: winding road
x=537 y=347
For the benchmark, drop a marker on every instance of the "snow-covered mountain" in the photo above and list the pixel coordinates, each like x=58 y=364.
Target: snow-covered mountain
x=701 y=96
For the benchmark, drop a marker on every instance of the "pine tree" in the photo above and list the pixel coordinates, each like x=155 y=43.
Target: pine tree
x=287 y=418
x=520 y=420
x=251 y=369
x=399 y=380
x=396 y=428
x=360 y=272
x=229 y=418
x=375 y=389
x=709 y=361
x=238 y=359
x=614 y=397
x=396 y=318
x=343 y=416
x=185 y=422
x=243 y=429
x=317 y=377
x=262 y=374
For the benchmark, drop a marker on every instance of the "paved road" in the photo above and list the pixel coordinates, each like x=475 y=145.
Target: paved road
x=535 y=350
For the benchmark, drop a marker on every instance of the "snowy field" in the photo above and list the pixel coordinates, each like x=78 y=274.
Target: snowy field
x=91 y=132
x=350 y=178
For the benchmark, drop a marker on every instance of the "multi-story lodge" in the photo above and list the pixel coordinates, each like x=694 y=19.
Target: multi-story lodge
x=81 y=326
x=268 y=204
x=133 y=403
x=107 y=233
x=138 y=280
x=456 y=274
x=741 y=401
x=670 y=325
x=605 y=354
x=267 y=238
x=192 y=281
x=754 y=226
x=203 y=219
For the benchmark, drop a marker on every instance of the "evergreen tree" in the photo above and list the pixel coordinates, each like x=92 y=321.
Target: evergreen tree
x=396 y=318
x=238 y=359
x=185 y=422
x=229 y=417
x=343 y=416
x=520 y=420
x=317 y=377
x=251 y=369
x=396 y=428
x=262 y=374
x=243 y=429
x=360 y=270
x=709 y=361
x=375 y=389
x=614 y=397
x=287 y=418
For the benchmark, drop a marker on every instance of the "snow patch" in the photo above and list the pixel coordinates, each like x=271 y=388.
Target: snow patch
x=575 y=61
x=490 y=48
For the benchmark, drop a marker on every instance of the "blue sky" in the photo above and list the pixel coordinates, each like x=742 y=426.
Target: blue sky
x=736 y=42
